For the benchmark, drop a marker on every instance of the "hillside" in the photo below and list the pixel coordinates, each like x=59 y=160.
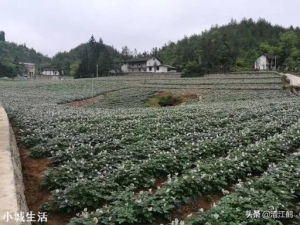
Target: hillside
x=12 y=53
x=231 y=47
x=234 y=46
x=91 y=52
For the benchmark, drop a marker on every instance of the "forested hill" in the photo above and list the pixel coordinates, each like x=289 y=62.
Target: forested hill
x=11 y=54
x=10 y=51
x=234 y=46
x=82 y=60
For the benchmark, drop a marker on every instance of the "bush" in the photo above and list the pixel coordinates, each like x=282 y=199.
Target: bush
x=285 y=83
x=169 y=100
x=193 y=69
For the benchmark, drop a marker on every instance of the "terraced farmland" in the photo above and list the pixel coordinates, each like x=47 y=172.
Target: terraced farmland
x=118 y=161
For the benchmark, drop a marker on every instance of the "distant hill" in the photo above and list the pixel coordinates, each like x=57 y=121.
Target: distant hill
x=11 y=54
x=234 y=46
x=69 y=62
x=24 y=54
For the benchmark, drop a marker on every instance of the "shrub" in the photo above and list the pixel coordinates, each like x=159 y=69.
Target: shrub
x=169 y=100
x=193 y=69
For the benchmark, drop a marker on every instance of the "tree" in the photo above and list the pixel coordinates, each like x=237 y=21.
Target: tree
x=83 y=67
x=2 y=36
x=93 y=55
x=126 y=53
x=74 y=68
x=104 y=63
x=288 y=48
x=223 y=48
x=135 y=53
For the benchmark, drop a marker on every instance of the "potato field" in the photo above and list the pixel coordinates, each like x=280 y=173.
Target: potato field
x=214 y=159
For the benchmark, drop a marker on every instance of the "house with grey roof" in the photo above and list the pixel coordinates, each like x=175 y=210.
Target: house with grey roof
x=266 y=62
x=148 y=64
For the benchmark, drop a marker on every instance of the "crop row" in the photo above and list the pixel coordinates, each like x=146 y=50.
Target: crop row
x=269 y=196
x=217 y=87
x=132 y=146
x=216 y=82
x=133 y=97
x=131 y=208
x=158 y=165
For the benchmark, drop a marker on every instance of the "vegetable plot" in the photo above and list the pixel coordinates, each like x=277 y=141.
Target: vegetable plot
x=118 y=162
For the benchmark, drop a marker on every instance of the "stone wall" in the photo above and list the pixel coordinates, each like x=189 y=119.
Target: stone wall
x=12 y=198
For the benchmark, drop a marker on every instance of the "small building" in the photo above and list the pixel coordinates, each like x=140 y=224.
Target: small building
x=148 y=64
x=29 y=69
x=266 y=62
x=50 y=72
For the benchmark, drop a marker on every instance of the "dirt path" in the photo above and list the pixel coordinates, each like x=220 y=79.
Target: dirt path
x=87 y=102
x=294 y=80
x=33 y=170
x=294 y=83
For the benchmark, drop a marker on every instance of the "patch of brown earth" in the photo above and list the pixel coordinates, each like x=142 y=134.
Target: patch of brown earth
x=158 y=184
x=167 y=98
x=202 y=202
x=33 y=170
x=87 y=102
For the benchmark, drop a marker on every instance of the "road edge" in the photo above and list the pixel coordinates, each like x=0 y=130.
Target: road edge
x=12 y=198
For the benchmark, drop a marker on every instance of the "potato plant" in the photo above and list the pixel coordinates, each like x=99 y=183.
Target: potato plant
x=106 y=160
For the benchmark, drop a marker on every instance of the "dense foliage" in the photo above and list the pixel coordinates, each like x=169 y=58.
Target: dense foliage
x=2 y=35
x=234 y=46
x=12 y=54
x=81 y=61
x=231 y=47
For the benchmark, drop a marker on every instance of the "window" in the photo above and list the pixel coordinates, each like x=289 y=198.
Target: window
x=139 y=69
x=150 y=68
x=157 y=68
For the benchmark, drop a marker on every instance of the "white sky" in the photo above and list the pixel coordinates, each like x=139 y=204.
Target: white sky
x=50 y=26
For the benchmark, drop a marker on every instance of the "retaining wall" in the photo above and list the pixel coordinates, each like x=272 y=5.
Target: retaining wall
x=12 y=198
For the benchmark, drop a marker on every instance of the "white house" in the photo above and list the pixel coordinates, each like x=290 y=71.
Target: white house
x=149 y=64
x=50 y=72
x=266 y=62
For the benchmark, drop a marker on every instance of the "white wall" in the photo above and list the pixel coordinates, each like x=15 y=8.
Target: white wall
x=124 y=68
x=162 y=69
x=50 y=72
x=151 y=62
x=261 y=63
x=135 y=68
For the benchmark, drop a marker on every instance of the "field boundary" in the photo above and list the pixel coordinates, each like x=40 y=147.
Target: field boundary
x=12 y=198
x=292 y=82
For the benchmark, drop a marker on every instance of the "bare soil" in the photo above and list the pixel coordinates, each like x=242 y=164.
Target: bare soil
x=204 y=202
x=87 y=102
x=33 y=170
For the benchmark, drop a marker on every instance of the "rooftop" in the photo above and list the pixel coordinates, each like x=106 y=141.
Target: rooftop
x=144 y=59
x=50 y=69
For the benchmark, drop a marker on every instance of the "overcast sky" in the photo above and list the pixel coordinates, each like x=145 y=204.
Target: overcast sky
x=50 y=26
